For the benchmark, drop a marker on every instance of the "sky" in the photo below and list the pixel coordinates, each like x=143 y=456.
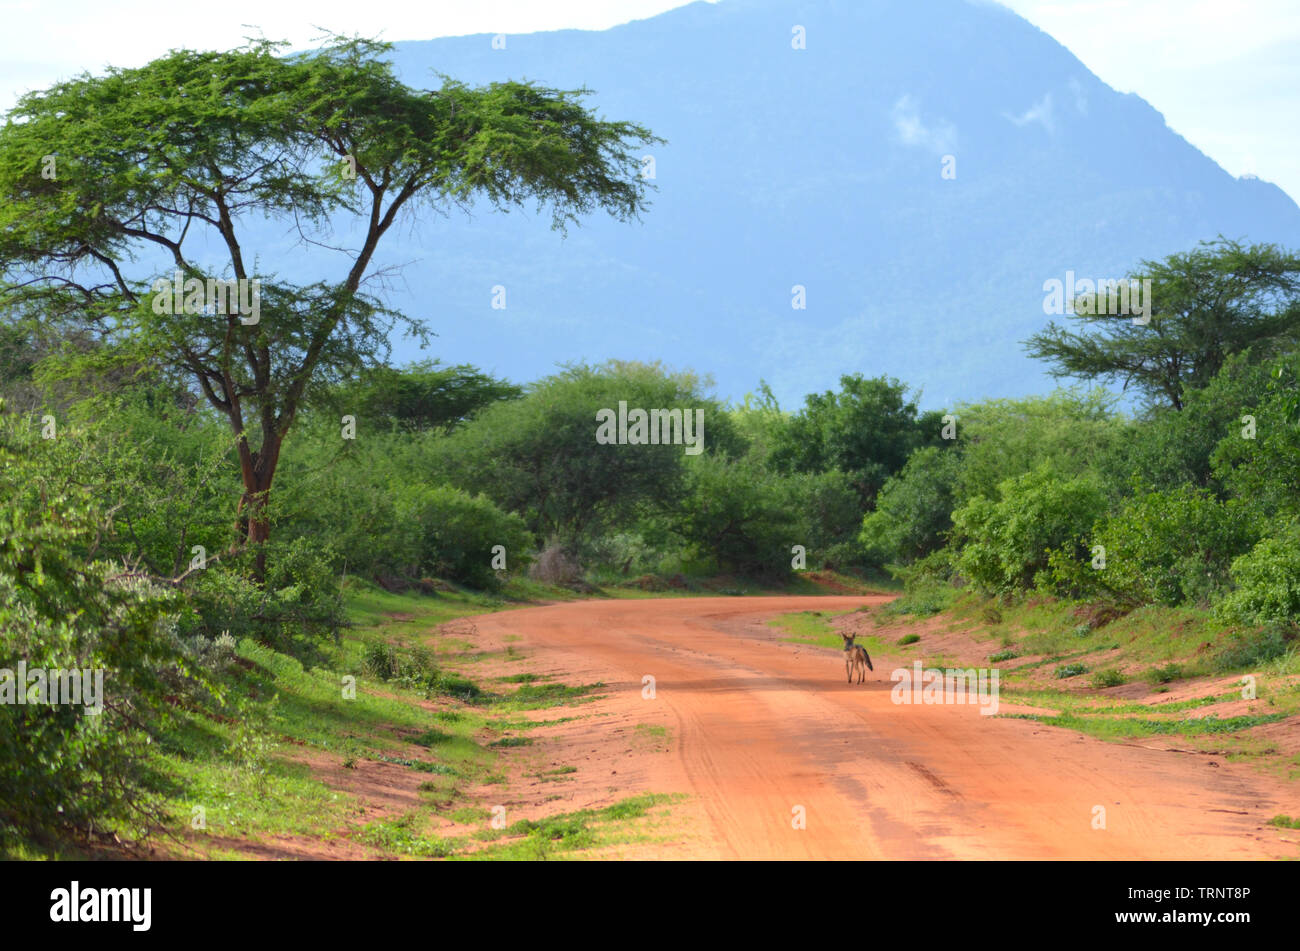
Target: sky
x=1225 y=73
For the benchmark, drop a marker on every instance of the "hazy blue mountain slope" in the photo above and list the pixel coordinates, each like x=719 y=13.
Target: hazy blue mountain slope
x=821 y=167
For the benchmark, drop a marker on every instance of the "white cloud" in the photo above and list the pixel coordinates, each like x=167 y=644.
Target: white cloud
x=1080 y=97
x=911 y=129
x=1040 y=112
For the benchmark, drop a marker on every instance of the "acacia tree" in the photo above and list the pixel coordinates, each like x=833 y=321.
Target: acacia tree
x=1217 y=300
x=116 y=181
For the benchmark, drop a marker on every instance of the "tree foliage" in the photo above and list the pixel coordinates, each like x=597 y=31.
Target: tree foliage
x=156 y=166
x=1004 y=543
x=866 y=430
x=539 y=455
x=1207 y=304
x=420 y=397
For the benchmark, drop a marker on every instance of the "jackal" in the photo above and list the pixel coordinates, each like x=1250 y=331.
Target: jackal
x=855 y=658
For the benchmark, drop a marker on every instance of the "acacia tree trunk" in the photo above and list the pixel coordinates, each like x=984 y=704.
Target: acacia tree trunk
x=257 y=467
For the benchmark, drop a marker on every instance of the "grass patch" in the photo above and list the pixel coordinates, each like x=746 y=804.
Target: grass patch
x=1110 y=728
x=807 y=627
x=651 y=735
x=432 y=738
x=924 y=600
x=814 y=628
x=399 y=836
x=533 y=696
x=563 y=835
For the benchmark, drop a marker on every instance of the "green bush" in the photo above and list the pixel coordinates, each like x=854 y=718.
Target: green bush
x=456 y=533
x=538 y=455
x=1106 y=678
x=1163 y=675
x=923 y=599
x=1179 y=447
x=740 y=517
x=867 y=429
x=1251 y=648
x=1262 y=471
x=1076 y=432
x=832 y=513
x=913 y=510
x=1268 y=581
x=302 y=596
x=1004 y=545
x=65 y=769
x=385 y=523
x=1168 y=547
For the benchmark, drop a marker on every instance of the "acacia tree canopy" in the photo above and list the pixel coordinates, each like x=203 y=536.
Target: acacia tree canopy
x=114 y=182
x=1207 y=304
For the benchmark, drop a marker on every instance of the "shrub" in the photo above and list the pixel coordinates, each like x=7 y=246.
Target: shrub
x=1163 y=675
x=65 y=769
x=301 y=596
x=741 y=517
x=1076 y=431
x=537 y=455
x=832 y=513
x=457 y=532
x=866 y=429
x=1107 y=678
x=913 y=510
x=923 y=600
x=1005 y=544
x=388 y=525
x=1268 y=581
x=1169 y=547
x=1251 y=648
x=410 y=666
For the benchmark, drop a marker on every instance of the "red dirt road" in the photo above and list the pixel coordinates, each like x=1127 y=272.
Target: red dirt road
x=758 y=727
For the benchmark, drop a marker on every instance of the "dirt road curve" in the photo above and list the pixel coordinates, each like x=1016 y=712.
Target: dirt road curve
x=759 y=726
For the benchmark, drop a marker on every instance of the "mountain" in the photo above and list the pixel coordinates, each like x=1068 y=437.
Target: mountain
x=822 y=167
